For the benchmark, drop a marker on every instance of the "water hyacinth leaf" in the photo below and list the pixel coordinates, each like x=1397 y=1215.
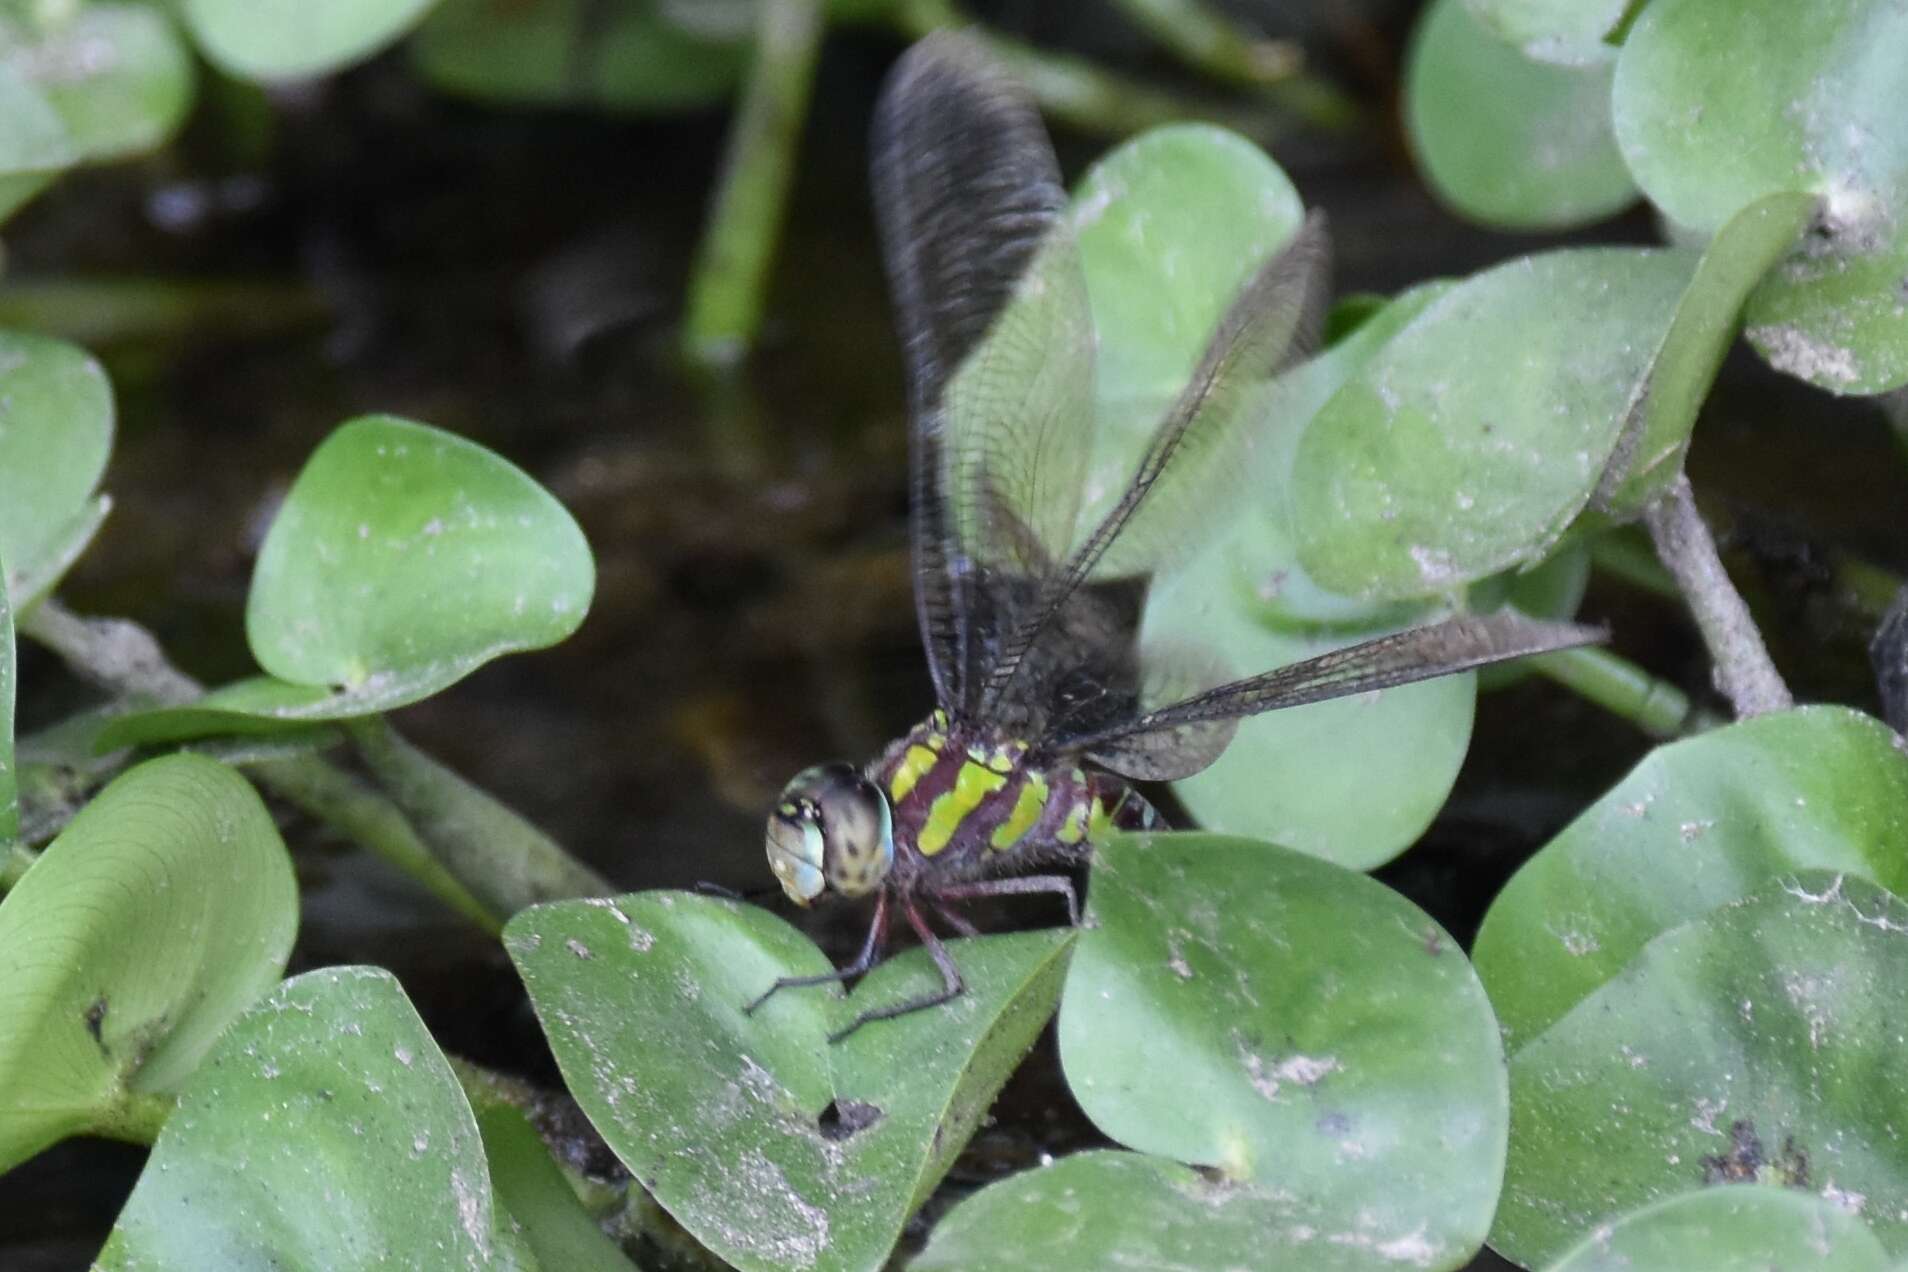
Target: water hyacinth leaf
x=1472 y=439
x=276 y=40
x=1759 y=1043
x=326 y=1130
x=1712 y=114
x=1097 y=1210
x=404 y=558
x=1698 y=824
x=255 y=705
x=561 y=1234
x=117 y=75
x=1663 y=410
x=56 y=431
x=1745 y=1228
x=1170 y=227
x=33 y=142
x=554 y=52
x=1507 y=141
x=773 y=1147
x=1354 y=780
x=162 y=911
x=1325 y=1038
x=1569 y=32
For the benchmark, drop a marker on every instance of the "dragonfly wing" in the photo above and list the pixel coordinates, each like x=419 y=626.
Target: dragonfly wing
x=1174 y=751
x=1456 y=644
x=1201 y=447
x=992 y=309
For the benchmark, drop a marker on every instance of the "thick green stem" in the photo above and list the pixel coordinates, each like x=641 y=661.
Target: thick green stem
x=1624 y=555
x=1742 y=668
x=135 y=1118
x=14 y=865
x=1211 y=43
x=738 y=245
x=503 y=859
x=1624 y=689
x=353 y=808
x=1068 y=88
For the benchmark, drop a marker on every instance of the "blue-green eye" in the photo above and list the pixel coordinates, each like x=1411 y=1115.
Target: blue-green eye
x=831 y=830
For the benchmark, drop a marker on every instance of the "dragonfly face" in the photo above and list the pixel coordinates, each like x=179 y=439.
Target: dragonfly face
x=1024 y=591
x=831 y=830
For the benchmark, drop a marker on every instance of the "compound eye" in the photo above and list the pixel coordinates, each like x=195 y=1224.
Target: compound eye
x=796 y=851
x=858 y=833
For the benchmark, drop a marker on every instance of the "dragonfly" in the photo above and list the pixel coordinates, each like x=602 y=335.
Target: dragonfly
x=1027 y=596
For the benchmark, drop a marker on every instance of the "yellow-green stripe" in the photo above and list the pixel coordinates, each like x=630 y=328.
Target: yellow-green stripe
x=1028 y=806
x=974 y=783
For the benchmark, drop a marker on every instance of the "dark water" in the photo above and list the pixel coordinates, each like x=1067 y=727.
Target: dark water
x=516 y=279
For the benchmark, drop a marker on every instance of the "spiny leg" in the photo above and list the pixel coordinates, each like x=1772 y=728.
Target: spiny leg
x=1056 y=884
x=955 y=919
x=952 y=986
x=863 y=961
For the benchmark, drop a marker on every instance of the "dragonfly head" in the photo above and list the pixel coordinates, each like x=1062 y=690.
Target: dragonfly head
x=831 y=828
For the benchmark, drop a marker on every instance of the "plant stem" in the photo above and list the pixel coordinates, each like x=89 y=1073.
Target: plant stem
x=112 y=653
x=1068 y=88
x=353 y=808
x=19 y=857
x=1624 y=689
x=135 y=1118
x=1210 y=42
x=507 y=862
x=1743 y=671
x=732 y=266
x=1630 y=558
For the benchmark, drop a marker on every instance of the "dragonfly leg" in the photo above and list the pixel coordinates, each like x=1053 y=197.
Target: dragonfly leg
x=1058 y=885
x=955 y=919
x=952 y=986
x=863 y=961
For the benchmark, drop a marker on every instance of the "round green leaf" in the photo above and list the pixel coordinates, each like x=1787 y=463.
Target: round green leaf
x=627 y=57
x=1297 y=1026
x=1101 y=1210
x=1505 y=140
x=255 y=705
x=325 y=1131
x=117 y=75
x=1570 y=32
x=160 y=913
x=1761 y=1042
x=33 y=141
x=1720 y=102
x=1170 y=227
x=1697 y=824
x=1747 y=1228
x=1353 y=780
x=56 y=430
x=1473 y=438
x=296 y=39
x=774 y=1147
x=403 y=559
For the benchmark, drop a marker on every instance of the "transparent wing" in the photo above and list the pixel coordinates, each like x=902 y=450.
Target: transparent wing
x=1173 y=751
x=993 y=315
x=1203 y=439
x=1456 y=644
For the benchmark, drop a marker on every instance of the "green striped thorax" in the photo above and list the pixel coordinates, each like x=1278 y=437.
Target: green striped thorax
x=831 y=829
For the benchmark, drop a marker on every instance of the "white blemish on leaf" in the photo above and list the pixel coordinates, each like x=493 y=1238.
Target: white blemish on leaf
x=577 y=948
x=1800 y=354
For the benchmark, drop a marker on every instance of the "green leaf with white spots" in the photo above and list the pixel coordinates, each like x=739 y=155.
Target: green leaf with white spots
x=325 y=1131
x=276 y=40
x=1443 y=460
x=56 y=431
x=161 y=912
x=1325 y=1041
x=1744 y=1228
x=1718 y=103
x=1698 y=824
x=772 y=1146
x=117 y=76
x=403 y=559
x=9 y=774
x=1505 y=140
x=1760 y=1042
x=34 y=145
x=1568 y=32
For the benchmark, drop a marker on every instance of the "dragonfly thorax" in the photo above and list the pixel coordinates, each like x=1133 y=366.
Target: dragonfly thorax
x=832 y=830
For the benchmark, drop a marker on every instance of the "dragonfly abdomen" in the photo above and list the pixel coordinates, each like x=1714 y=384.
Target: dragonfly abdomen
x=967 y=801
